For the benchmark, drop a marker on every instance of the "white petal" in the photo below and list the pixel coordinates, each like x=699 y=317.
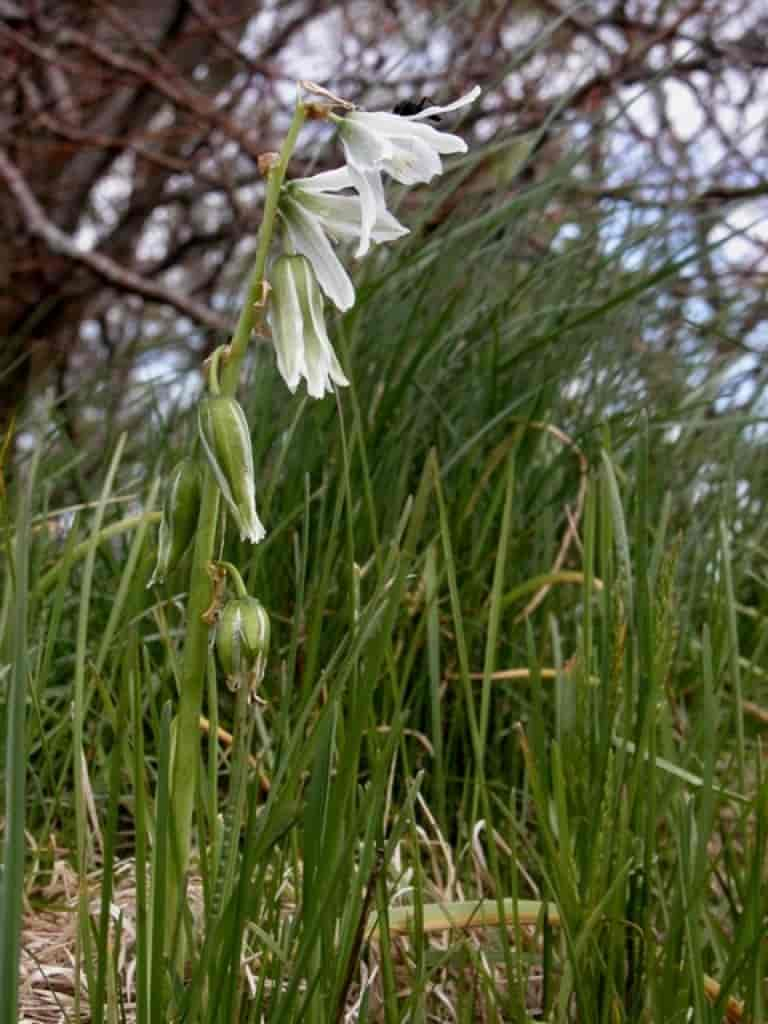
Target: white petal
x=318 y=328
x=315 y=360
x=285 y=319
x=307 y=237
x=339 y=216
x=371 y=192
x=463 y=101
x=363 y=146
x=387 y=228
x=320 y=365
x=443 y=142
x=253 y=530
x=317 y=368
x=393 y=128
x=413 y=161
x=336 y=373
x=326 y=181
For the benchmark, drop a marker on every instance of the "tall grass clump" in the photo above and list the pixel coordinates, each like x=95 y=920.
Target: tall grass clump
x=473 y=730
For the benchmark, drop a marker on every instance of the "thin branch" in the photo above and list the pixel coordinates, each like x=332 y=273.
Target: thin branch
x=60 y=242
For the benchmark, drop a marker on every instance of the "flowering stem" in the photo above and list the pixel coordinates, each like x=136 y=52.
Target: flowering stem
x=241 y=737
x=187 y=746
x=254 y=303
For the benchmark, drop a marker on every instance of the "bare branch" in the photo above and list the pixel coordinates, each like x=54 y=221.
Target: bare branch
x=105 y=268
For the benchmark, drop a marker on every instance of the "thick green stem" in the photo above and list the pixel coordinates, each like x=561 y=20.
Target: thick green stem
x=187 y=745
x=241 y=734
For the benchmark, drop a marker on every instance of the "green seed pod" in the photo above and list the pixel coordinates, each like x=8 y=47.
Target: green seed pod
x=179 y=521
x=242 y=641
x=227 y=445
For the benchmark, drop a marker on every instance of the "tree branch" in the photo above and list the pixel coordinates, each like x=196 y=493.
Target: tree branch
x=104 y=267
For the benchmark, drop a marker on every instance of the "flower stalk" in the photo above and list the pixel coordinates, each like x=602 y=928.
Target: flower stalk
x=195 y=659
x=344 y=205
x=253 y=311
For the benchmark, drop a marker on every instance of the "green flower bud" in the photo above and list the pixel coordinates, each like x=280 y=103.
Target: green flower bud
x=179 y=521
x=227 y=445
x=242 y=640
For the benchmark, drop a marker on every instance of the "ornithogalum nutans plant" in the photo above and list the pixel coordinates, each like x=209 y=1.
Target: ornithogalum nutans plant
x=295 y=266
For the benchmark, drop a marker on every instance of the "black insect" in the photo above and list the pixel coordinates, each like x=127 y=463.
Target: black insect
x=406 y=108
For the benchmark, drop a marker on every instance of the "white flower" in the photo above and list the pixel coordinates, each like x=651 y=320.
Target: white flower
x=399 y=145
x=347 y=217
x=313 y=214
x=306 y=236
x=295 y=315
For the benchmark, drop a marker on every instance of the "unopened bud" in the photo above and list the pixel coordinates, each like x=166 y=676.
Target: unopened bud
x=227 y=444
x=242 y=641
x=179 y=521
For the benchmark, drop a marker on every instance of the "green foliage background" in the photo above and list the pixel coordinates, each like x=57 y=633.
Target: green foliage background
x=409 y=524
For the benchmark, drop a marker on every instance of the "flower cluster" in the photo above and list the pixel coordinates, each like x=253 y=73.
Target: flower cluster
x=345 y=205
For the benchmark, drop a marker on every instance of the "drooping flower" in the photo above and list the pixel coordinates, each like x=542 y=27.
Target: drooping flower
x=226 y=441
x=343 y=217
x=314 y=214
x=399 y=145
x=295 y=314
x=242 y=641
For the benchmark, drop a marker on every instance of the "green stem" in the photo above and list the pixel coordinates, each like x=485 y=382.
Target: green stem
x=187 y=747
x=213 y=371
x=233 y=821
x=253 y=303
x=236 y=578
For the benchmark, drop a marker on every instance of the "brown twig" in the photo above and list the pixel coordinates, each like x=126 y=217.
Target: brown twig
x=108 y=270
x=227 y=739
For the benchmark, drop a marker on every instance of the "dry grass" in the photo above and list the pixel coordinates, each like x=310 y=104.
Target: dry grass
x=53 y=988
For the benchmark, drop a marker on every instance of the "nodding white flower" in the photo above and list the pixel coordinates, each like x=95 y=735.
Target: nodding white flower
x=295 y=315
x=347 y=217
x=400 y=145
x=314 y=214
x=226 y=440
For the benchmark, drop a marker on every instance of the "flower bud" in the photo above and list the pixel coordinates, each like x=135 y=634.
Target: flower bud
x=227 y=444
x=242 y=640
x=179 y=521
